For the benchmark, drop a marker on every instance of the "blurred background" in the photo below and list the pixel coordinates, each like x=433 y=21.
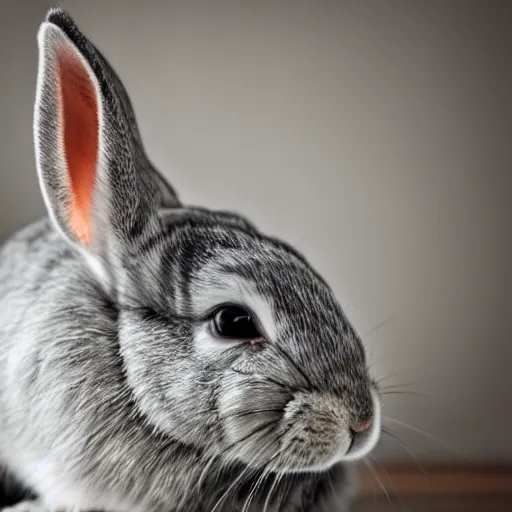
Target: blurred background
x=374 y=136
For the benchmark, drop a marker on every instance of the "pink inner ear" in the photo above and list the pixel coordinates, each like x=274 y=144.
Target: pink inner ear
x=79 y=118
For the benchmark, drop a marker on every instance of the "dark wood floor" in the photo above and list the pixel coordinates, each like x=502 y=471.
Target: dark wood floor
x=441 y=489
x=410 y=490
x=451 y=504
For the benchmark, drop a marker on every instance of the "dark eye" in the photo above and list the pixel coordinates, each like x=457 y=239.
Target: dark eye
x=235 y=322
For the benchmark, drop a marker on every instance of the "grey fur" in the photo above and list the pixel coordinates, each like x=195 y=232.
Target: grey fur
x=114 y=396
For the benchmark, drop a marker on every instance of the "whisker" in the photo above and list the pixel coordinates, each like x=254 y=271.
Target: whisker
x=252 y=491
x=406 y=447
x=275 y=484
x=190 y=489
x=262 y=477
x=279 y=478
x=255 y=488
x=374 y=492
x=248 y=466
x=254 y=432
x=287 y=483
x=246 y=470
x=377 y=479
x=394 y=353
x=397 y=386
x=283 y=487
x=388 y=478
x=429 y=436
x=207 y=466
x=387 y=377
x=249 y=413
x=377 y=327
x=296 y=366
x=413 y=393
x=331 y=485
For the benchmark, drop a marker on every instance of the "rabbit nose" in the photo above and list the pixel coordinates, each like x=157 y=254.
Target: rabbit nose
x=361 y=427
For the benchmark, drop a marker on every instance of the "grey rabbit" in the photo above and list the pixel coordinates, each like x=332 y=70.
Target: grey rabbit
x=160 y=357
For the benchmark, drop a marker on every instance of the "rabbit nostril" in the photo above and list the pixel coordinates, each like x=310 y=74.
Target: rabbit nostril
x=361 y=427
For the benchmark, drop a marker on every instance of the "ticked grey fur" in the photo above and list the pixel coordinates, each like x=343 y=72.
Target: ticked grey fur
x=114 y=395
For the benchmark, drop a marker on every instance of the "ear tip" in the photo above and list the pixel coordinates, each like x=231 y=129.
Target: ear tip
x=60 y=18
x=56 y=13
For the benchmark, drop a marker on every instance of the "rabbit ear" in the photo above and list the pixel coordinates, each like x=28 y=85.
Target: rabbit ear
x=98 y=185
x=68 y=115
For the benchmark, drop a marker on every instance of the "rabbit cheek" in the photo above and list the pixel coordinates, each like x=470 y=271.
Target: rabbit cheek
x=250 y=410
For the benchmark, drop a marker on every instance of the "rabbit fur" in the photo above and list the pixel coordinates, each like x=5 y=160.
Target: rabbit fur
x=115 y=394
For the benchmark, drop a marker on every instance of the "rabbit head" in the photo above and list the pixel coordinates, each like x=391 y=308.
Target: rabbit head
x=230 y=341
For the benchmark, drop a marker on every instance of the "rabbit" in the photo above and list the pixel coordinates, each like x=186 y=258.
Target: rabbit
x=157 y=356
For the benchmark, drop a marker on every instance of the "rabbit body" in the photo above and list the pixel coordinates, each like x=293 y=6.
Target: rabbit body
x=155 y=356
x=68 y=424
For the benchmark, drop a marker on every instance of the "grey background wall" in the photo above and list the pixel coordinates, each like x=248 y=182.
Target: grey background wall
x=375 y=136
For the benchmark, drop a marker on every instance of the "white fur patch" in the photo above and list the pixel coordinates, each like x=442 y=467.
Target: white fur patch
x=207 y=344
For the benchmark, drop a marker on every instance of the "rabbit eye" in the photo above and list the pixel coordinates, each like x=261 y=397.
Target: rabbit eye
x=235 y=322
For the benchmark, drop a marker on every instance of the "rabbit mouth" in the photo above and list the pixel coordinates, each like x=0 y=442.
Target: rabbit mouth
x=322 y=434
x=312 y=432
x=329 y=438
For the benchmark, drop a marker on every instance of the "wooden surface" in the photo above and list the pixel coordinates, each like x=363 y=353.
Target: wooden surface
x=435 y=489
x=413 y=481
x=460 y=504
